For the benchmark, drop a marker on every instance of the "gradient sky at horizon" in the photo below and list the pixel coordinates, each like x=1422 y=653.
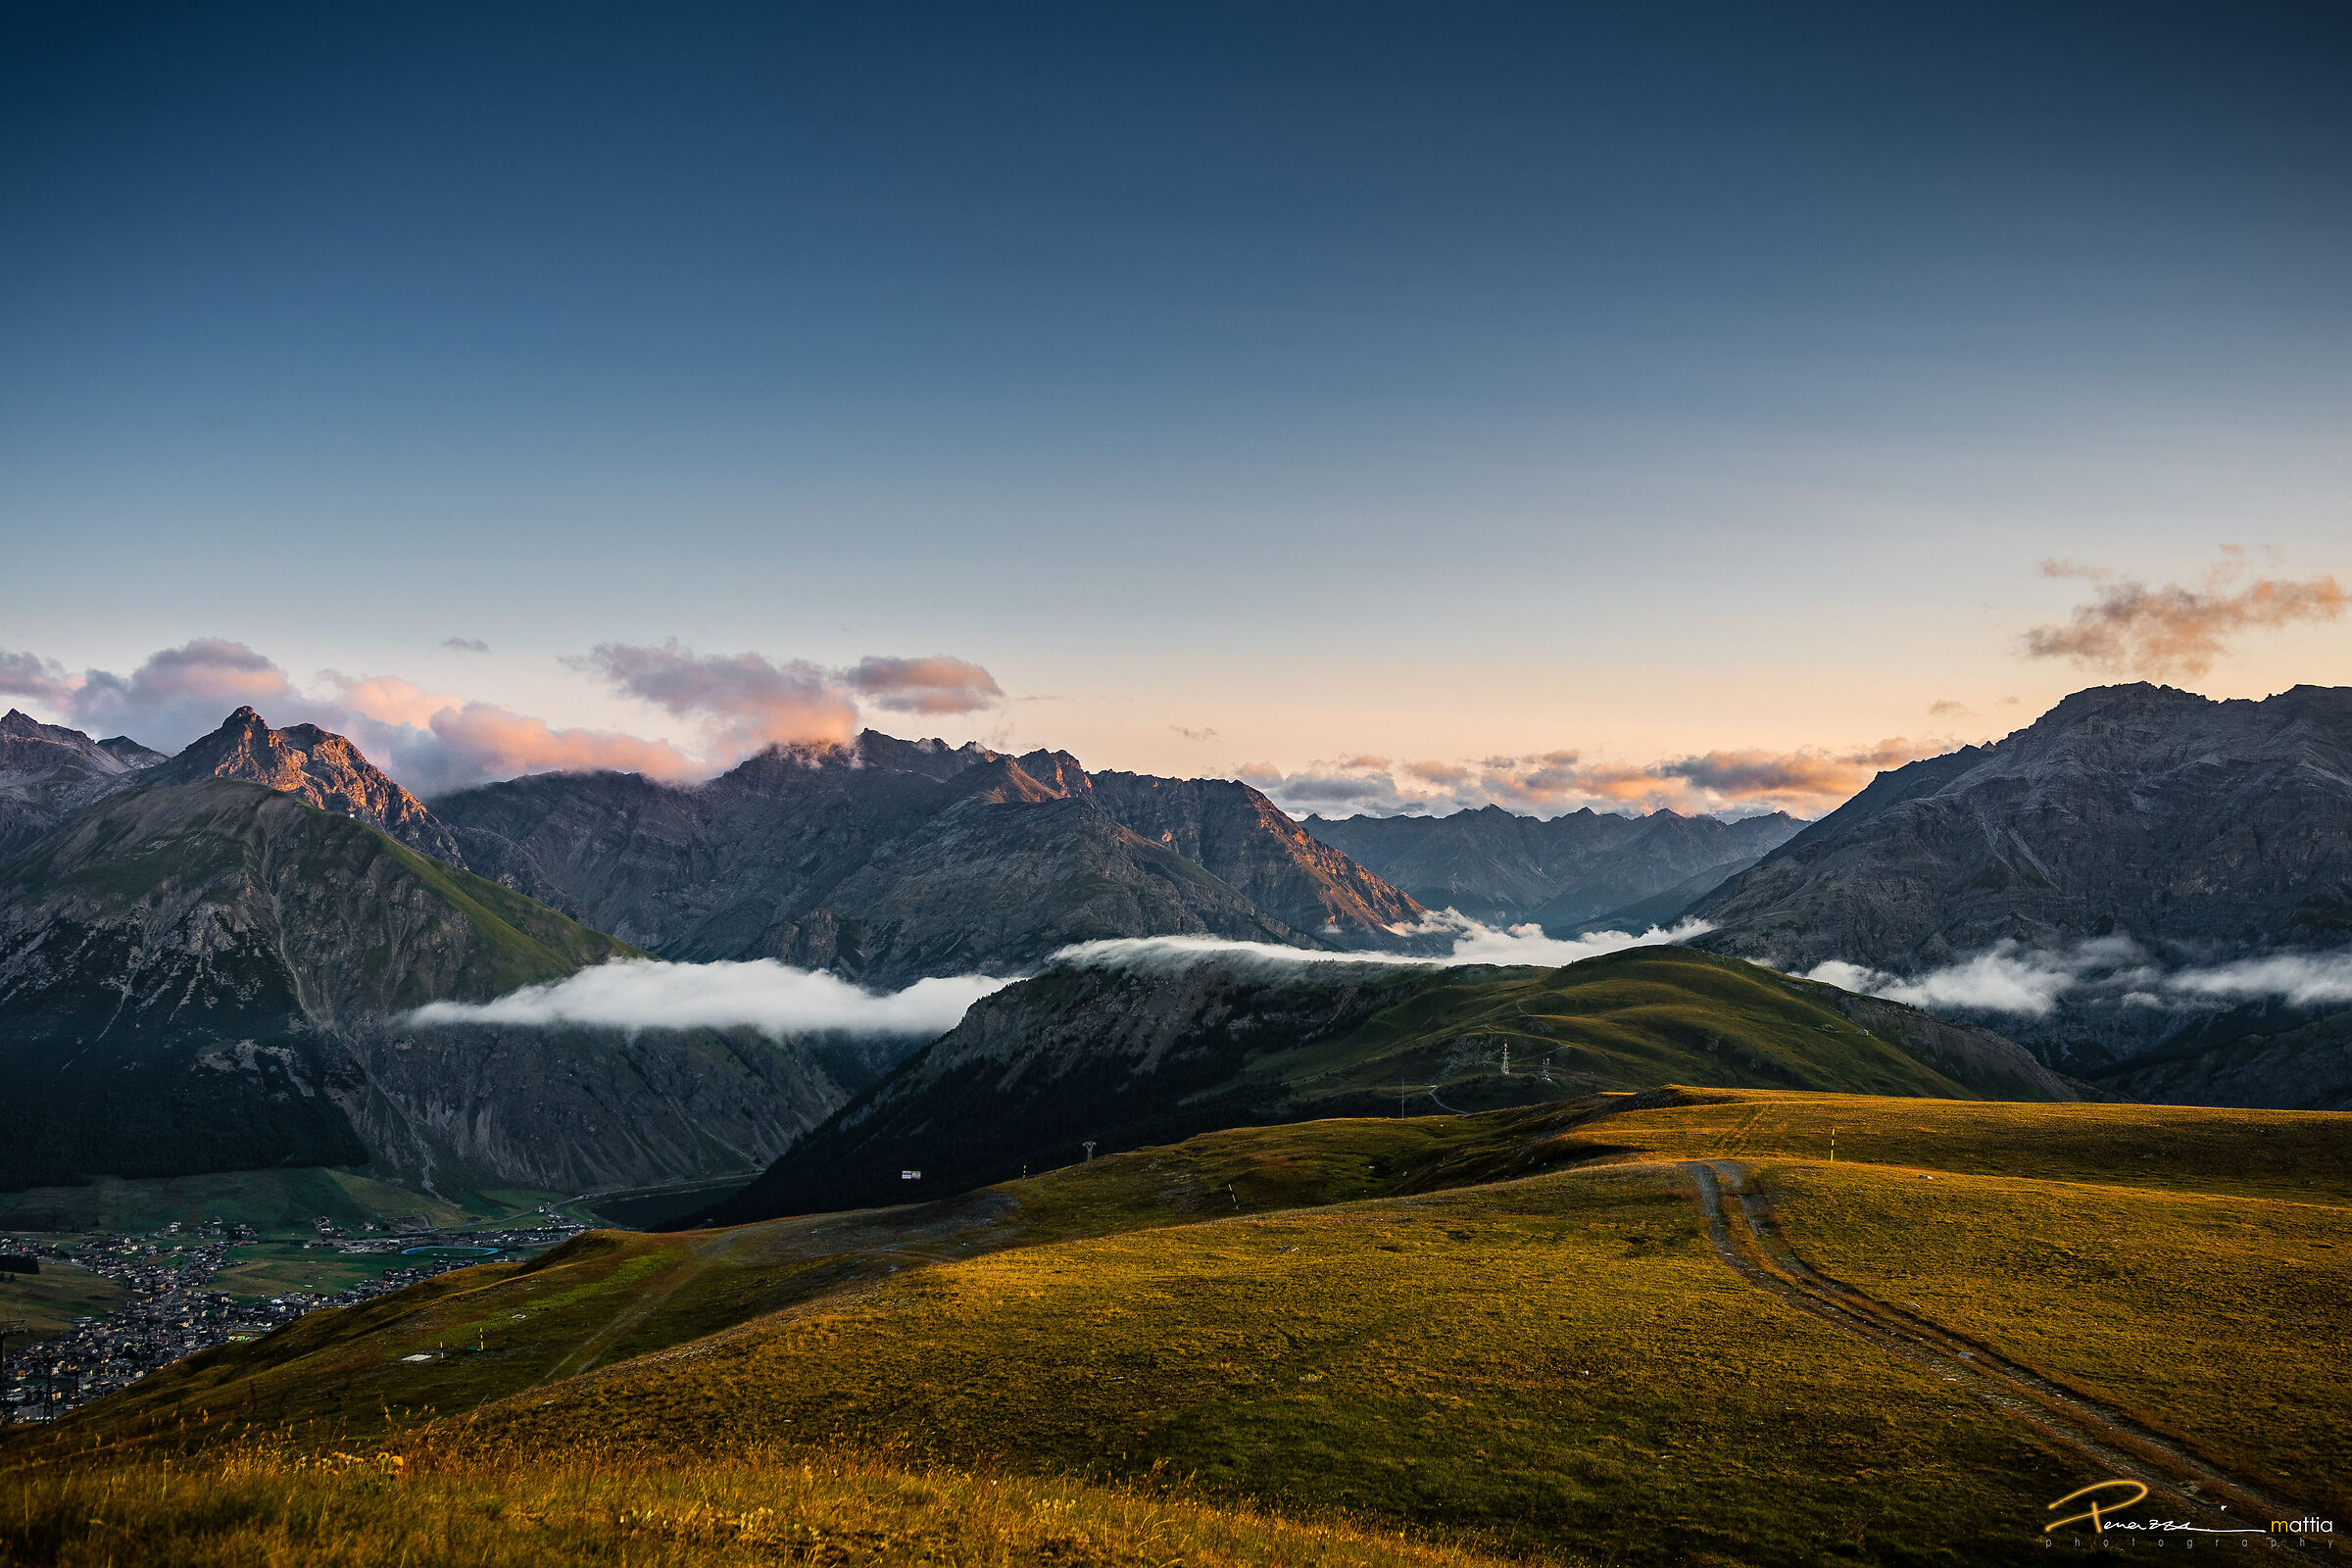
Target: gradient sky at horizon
x=1429 y=382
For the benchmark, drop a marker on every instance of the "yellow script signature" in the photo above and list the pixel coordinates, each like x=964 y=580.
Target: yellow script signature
x=2097 y=1511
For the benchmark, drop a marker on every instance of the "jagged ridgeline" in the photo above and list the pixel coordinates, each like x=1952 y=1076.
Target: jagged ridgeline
x=1126 y=1057
x=177 y=962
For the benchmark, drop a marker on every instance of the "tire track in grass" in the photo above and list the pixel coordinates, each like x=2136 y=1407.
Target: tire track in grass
x=1759 y=1256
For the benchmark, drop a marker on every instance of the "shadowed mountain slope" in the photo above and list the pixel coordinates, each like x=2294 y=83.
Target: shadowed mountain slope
x=48 y=771
x=214 y=976
x=172 y=958
x=2200 y=830
x=1124 y=1056
x=2135 y=809
x=892 y=859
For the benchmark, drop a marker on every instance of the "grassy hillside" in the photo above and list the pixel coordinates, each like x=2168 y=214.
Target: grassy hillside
x=1517 y=1331
x=1132 y=1059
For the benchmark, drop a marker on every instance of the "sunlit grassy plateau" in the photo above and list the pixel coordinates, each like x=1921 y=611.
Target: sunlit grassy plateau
x=1426 y=1340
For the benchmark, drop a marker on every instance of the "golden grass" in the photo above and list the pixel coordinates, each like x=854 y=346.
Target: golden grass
x=2302 y=1156
x=1557 y=1365
x=2216 y=1319
x=1500 y=1334
x=254 y=1507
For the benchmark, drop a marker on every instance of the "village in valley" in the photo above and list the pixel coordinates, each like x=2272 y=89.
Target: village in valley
x=217 y=1283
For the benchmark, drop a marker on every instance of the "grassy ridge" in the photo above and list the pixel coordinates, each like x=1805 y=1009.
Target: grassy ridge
x=1132 y=1059
x=1643 y=1016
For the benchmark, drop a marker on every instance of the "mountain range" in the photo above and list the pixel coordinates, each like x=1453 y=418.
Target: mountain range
x=209 y=960
x=2198 y=831
x=888 y=860
x=1581 y=871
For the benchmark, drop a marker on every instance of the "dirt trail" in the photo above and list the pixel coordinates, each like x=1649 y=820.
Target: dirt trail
x=1744 y=1238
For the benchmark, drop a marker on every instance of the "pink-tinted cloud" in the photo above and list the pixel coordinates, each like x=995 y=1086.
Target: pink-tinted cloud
x=177 y=694
x=937 y=684
x=493 y=742
x=2131 y=628
x=743 y=700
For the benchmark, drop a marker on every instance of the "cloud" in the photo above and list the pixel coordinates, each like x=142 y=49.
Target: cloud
x=465 y=644
x=434 y=742
x=2305 y=980
x=1945 y=707
x=781 y=1002
x=2023 y=984
x=761 y=993
x=934 y=685
x=1194 y=734
x=177 y=694
x=744 y=701
x=1807 y=781
x=2034 y=982
x=2131 y=628
x=1473 y=943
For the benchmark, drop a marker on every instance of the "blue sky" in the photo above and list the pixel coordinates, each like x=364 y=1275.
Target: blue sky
x=1429 y=383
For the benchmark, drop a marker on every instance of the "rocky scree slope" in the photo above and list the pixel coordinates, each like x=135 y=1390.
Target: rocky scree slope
x=1128 y=1057
x=1564 y=874
x=208 y=976
x=890 y=859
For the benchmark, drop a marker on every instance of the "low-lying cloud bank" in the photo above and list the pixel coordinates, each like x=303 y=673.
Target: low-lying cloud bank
x=760 y=994
x=781 y=1002
x=1473 y=943
x=2033 y=982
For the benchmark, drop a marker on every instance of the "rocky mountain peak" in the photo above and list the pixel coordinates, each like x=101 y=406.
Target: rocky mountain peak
x=316 y=765
x=933 y=758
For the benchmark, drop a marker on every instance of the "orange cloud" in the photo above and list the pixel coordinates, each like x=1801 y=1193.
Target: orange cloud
x=497 y=742
x=2131 y=628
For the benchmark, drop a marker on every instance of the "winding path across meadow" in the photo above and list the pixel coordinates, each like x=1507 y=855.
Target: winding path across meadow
x=1744 y=1238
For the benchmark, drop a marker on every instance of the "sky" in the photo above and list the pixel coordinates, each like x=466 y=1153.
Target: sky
x=1400 y=407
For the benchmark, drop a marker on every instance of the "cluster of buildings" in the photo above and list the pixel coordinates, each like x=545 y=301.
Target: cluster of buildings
x=173 y=1315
